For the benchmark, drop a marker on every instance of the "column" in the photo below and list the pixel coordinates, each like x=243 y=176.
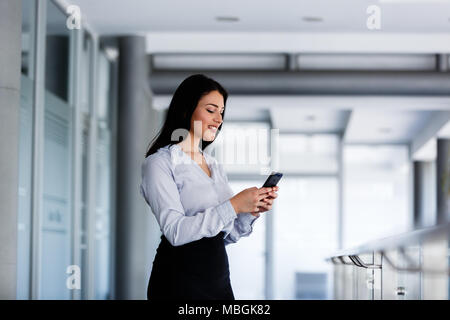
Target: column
x=418 y=194
x=137 y=230
x=443 y=180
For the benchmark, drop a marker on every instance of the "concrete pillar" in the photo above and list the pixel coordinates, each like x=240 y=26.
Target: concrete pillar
x=424 y=190
x=443 y=180
x=418 y=194
x=10 y=64
x=442 y=62
x=137 y=231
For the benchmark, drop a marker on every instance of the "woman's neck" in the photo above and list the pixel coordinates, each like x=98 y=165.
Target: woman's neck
x=190 y=145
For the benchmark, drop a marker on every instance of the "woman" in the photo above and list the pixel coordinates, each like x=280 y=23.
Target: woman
x=189 y=195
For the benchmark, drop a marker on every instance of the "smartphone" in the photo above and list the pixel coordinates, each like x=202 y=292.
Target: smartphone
x=273 y=179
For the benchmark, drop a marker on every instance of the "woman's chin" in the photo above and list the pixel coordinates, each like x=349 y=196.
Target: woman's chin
x=209 y=137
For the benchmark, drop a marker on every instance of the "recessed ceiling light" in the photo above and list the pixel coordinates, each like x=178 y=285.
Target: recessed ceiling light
x=227 y=19
x=312 y=19
x=385 y=130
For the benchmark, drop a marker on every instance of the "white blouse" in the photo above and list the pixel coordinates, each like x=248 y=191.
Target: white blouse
x=187 y=203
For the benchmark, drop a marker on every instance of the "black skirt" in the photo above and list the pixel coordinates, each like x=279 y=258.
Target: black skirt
x=197 y=270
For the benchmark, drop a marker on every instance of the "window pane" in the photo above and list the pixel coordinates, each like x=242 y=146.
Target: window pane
x=247 y=256
x=301 y=153
x=103 y=88
x=85 y=69
x=244 y=147
x=86 y=85
x=57 y=53
x=25 y=153
x=103 y=215
x=56 y=222
x=55 y=244
x=104 y=188
x=376 y=191
x=305 y=233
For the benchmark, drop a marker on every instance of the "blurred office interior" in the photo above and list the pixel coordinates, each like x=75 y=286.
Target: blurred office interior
x=356 y=118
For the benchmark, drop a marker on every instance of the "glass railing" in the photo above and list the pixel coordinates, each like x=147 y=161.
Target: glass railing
x=410 y=266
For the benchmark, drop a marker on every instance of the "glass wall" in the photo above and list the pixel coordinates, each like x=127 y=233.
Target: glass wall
x=243 y=150
x=376 y=180
x=247 y=260
x=304 y=222
x=24 y=224
x=56 y=222
x=305 y=228
x=305 y=219
x=85 y=114
x=69 y=74
x=309 y=153
x=104 y=179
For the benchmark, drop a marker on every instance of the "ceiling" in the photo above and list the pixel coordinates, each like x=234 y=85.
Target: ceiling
x=379 y=126
x=294 y=26
x=361 y=119
x=309 y=120
x=143 y=16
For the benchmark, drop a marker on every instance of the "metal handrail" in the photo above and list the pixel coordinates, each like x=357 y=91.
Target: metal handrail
x=411 y=268
x=364 y=265
x=355 y=261
x=398 y=242
x=343 y=261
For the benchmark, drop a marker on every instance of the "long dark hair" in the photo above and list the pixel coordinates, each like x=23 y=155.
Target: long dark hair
x=181 y=108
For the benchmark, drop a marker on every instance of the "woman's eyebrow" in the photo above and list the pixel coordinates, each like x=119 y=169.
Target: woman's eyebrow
x=215 y=105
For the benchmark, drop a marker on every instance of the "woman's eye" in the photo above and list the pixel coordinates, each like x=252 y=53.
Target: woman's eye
x=209 y=111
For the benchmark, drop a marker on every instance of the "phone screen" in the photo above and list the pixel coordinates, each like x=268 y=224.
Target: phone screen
x=272 y=180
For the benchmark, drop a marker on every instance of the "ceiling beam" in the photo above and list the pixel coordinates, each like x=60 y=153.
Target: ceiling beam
x=297 y=42
x=328 y=102
x=314 y=82
x=436 y=123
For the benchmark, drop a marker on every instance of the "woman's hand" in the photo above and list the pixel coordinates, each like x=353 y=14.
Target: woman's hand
x=249 y=199
x=268 y=201
x=254 y=200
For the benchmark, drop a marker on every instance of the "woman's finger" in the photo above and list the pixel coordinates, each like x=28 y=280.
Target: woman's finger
x=263 y=196
x=272 y=195
x=265 y=207
x=264 y=204
x=264 y=190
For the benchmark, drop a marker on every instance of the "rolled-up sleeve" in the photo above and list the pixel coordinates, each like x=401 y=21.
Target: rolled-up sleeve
x=161 y=193
x=243 y=227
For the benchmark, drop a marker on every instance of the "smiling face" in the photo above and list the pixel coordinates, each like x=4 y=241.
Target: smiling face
x=209 y=113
